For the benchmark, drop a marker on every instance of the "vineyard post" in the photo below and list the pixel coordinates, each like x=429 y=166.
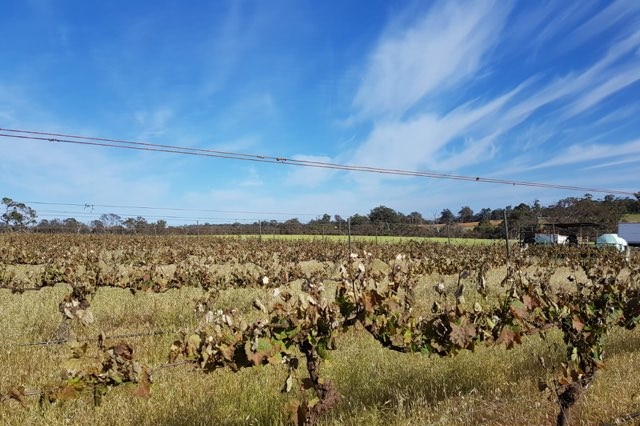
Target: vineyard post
x=349 y=231
x=506 y=235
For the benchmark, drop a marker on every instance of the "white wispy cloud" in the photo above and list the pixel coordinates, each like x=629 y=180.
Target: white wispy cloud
x=616 y=13
x=582 y=153
x=415 y=142
x=487 y=88
x=226 y=46
x=581 y=90
x=550 y=21
x=423 y=138
x=440 y=50
x=474 y=151
x=633 y=159
x=617 y=82
x=622 y=113
x=406 y=134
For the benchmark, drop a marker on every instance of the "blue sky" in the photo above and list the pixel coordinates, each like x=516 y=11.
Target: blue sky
x=528 y=91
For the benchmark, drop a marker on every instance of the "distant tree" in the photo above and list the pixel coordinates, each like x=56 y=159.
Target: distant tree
x=483 y=214
x=71 y=224
x=17 y=214
x=97 y=226
x=566 y=202
x=129 y=223
x=323 y=220
x=339 y=222
x=111 y=220
x=357 y=219
x=141 y=224
x=415 y=217
x=634 y=206
x=292 y=226
x=520 y=211
x=522 y=215
x=384 y=214
x=465 y=214
x=497 y=214
x=486 y=230
x=44 y=223
x=446 y=216
x=536 y=209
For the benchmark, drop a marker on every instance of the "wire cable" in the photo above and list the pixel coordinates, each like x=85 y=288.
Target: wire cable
x=54 y=342
x=146 y=146
x=177 y=209
x=86 y=214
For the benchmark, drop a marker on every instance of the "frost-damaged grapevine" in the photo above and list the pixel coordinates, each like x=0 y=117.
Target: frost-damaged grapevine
x=375 y=289
x=302 y=324
x=530 y=305
x=116 y=367
x=94 y=375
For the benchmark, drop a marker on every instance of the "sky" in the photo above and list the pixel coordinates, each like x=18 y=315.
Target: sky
x=543 y=91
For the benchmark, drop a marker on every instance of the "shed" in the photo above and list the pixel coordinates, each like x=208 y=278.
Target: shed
x=630 y=232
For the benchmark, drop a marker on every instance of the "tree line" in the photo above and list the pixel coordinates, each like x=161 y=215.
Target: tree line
x=599 y=215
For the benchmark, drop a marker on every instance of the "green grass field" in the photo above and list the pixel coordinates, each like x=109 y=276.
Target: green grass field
x=369 y=238
x=633 y=218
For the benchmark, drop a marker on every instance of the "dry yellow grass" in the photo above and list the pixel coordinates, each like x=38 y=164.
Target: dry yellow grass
x=491 y=386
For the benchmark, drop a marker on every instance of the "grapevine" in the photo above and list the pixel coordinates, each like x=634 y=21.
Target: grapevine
x=375 y=289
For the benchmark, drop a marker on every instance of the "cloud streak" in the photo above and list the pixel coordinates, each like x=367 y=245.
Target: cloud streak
x=539 y=91
x=476 y=132
x=438 y=51
x=581 y=153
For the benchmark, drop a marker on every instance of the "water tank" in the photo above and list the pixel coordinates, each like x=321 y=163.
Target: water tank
x=612 y=240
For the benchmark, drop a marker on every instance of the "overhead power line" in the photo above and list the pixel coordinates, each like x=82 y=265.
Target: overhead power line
x=177 y=209
x=173 y=149
x=89 y=215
